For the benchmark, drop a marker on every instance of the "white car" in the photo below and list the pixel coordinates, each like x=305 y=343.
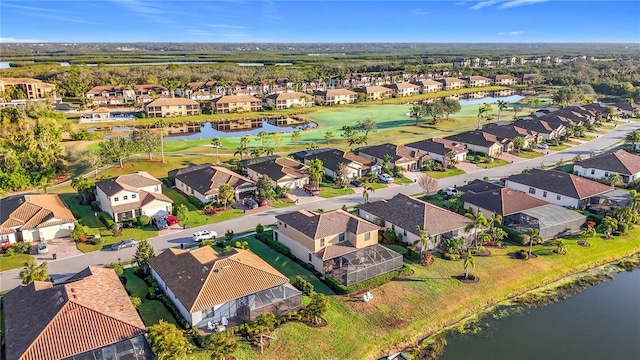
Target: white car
x=451 y=191
x=42 y=248
x=385 y=178
x=543 y=146
x=204 y=235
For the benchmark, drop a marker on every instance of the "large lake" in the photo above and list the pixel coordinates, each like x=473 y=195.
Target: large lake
x=602 y=322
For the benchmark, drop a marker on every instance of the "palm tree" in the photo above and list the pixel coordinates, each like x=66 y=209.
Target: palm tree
x=225 y=194
x=608 y=225
x=615 y=178
x=423 y=241
x=632 y=138
x=315 y=171
x=518 y=143
x=515 y=112
x=366 y=190
x=161 y=124
x=534 y=235
x=34 y=272
x=479 y=221
x=634 y=201
x=502 y=105
x=216 y=142
x=243 y=149
x=482 y=112
x=561 y=247
x=83 y=186
x=469 y=262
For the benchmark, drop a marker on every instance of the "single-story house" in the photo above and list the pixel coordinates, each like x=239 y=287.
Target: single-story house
x=34 y=218
x=604 y=165
x=478 y=186
x=557 y=187
x=480 y=141
x=128 y=196
x=336 y=244
x=401 y=156
x=354 y=165
x=510 y=132
x=207 y=287
x=204 y=183
x=545 y=129
x=440 y=150
x=283 y=172
x=502 y=201
x=88 y=316
x=628 y=108
x=404 y=214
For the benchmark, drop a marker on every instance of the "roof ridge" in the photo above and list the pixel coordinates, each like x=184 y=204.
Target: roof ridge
x=70 y=300
x=35 y=338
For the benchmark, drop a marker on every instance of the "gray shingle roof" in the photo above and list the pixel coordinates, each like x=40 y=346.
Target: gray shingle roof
x=620 y=162
x=502 y=201
x=560 y=183
x=317 y=226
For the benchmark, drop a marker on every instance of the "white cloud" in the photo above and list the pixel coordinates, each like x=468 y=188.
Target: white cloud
x=512 y=33
x=420 y=12
x=484 y=4
x=14 y=40
x=146 y=9
x=516 y=3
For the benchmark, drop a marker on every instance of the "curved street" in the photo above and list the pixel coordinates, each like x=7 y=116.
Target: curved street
x=60 y=269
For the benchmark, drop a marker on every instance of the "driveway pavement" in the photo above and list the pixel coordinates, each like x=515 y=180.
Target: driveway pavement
x=63 y=268
x=62 y=248
x=299 y=197
x=468 y=167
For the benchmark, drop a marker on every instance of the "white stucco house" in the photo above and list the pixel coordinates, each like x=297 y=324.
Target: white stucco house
x=34 y=218
x=204 y=182
x=129 y=196
x=602 y=166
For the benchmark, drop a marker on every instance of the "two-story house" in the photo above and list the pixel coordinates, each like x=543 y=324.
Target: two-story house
x=603 y=166
x=129 y=196
x=336 y=244
x=452 y=83
x=557 y=187
x=428 y=85
x=169 y=107
x=335 y=97
x=404 y=89
x=502 y=80
x=288 y=100
x=31 y=88
x=235 y=103
x=375 y=92
x=478 y=81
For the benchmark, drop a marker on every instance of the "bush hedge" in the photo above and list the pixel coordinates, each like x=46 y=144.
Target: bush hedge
x=106 y=220
x=338 y=288
x=277 y=246
x=194 y=200
x=516 y=236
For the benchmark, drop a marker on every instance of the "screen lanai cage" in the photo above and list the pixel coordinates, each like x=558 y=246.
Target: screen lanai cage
x=551 y=220
x=362 y=264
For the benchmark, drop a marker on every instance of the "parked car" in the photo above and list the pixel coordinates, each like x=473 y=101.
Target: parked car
x=171 y=220
x=356 y=183
x=311 y=189
x=204 y=235
x=42 y=248
x=124 y=244
x=250 y=203
x=385 y=178
x=451 y=191
x=159 y=223
x=262 y=201
x=543 y=146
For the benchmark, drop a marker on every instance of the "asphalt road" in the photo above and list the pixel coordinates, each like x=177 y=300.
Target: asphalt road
x=60 y=269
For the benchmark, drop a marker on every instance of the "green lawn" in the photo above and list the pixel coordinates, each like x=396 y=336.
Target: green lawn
x=151 y=311
x=529 y=154
x=588 y=137
x=402 y=180
x=573 y=142
x=377 y=185
x=281 y=203
x=329 y=191
x=495 y=163
x=13 y=262
x=196 y=217
x=284 y=264
x=559 y=147
x=445 y=174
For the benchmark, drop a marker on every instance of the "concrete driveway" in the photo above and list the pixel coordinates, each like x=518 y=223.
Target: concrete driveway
x=468 y=167
x=299 y=197
x=62 y=248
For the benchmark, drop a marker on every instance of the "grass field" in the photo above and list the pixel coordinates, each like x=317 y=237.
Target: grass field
x=529 y=154
x=445 y=174
x=329 y=191
x=559 y=147
x=13 y=262
x=196 y=217
x=151 y=311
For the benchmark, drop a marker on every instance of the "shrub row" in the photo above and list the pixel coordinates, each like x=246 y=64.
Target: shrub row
x=516 y=236
x=106 y=220
x=338 y=288
x=194 y=200
x=282 y=249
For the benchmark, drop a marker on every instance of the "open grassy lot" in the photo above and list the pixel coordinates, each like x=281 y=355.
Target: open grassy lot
x=406 y=309
x=329 y=190
x=446 y=173
x=13 y=261
x=493 y=164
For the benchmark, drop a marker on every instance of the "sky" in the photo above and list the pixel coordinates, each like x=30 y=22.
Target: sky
x=283 y=21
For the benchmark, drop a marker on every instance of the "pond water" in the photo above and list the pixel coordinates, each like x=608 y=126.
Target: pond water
x=492 y=100
x=208 y=132
x=4 y=64
x=602 y=322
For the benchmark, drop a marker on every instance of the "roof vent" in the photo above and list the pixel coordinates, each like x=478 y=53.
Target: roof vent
x=226 y=266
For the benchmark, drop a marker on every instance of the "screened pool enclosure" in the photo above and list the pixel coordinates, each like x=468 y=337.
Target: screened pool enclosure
x=362 y=264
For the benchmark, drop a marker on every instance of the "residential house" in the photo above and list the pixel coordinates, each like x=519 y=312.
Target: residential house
x=602 y=166
x=399 y=155
x=428 y=85
x=34 y=217
x=478 y=81
x=510 y=132
x=88 y=316
x=532 y=79
x=209 y=288
x=628 y=108
x=336 y=244
x=440 y=150
x=404 y=89
x=504 y=80
x=235 y=103
x=170 y=107
x=557 y=187
x=288 y=100
x=552 y=221
x=478 y=186
x=500 y=201
x=404 y=214
x=462 y=63
x=204 y=183
x=128 y=196
x=545 y=129
x=353 y=165
x=171 y=175
x=375 y=92
x=282 y=171
x=480 y=141
x=100 y=113
x=335 y=97
x=32 y=89
x=452 y=83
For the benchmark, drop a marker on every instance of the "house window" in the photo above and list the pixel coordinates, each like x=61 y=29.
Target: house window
x=322 y=242
x=393 y=227
x=532 y=190
x=367 y=236
x=275 y=236
x=125 y=197
x=116 y=199
x=593 y=171
x=133 y=196
x=341 y=237
x=155 y=188
x=404 y=233
x=558 y=197
x=285 y=226
x=310 y=257
x=544 y=194
x=606 y=173
x=207 y=313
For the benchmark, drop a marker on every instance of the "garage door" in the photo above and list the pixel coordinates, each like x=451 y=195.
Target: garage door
x=157 y=210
